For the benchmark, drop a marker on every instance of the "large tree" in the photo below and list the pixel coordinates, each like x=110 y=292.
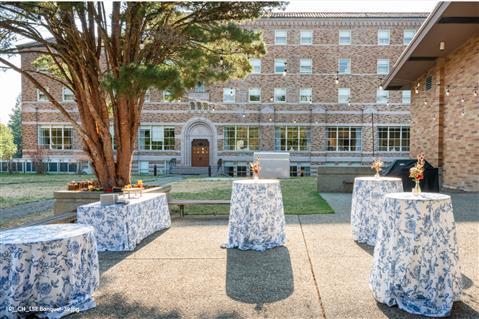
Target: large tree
x=15 y=124
x=109 y=58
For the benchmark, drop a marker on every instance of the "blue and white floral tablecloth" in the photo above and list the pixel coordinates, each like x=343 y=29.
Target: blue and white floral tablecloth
x=416 y=258
x=48 y=270
x=367 y=205
x=121 y=227
x=256 y=218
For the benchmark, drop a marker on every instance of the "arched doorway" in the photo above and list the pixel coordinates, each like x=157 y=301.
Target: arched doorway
x=198 y=147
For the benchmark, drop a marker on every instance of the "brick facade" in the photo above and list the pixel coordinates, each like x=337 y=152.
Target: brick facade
x=447 y=129
x=322 y=112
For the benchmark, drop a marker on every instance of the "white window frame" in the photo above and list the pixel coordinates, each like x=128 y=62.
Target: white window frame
x=379 y=96
x=248 y=137
x=380 y=64
x=252 y=62
x=226 y=93
x=71 y=93
x=413 y=31
x=162 y=129
x=310 y=66
x=348 y=69
x=166 y=96
x=310 y=95
x=349 y=36
x=276 y=95
x=301 y=37
x=277 y=63
x=350 y=128
x=406 y=98
x=250 y=90
x=340 y=95
x=50 y=127
x=40 y=94
x=141 y=165
x=297 y=138
x=388 y=139
x=389 y=36
x=276 y=37
x=147 y=96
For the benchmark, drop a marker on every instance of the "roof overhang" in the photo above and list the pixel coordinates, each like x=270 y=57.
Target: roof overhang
x=450 y=22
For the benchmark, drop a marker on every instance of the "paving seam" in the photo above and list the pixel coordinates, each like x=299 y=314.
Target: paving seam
x=167 y=258
x=312 y=270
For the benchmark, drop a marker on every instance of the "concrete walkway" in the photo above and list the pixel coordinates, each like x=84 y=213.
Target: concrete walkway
x=321 y=273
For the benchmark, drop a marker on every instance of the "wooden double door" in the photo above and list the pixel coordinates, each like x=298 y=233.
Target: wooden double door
x=200 y=153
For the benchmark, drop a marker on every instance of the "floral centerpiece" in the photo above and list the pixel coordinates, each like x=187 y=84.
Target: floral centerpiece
x=417 y=173
x=377 y=166
x=255 y=168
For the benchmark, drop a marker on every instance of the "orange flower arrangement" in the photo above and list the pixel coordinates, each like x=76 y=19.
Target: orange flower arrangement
x=417 y=172
x=255 y=168
x=377 y=166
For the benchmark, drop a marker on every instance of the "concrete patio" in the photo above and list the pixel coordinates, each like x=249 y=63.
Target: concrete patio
x=321 y=273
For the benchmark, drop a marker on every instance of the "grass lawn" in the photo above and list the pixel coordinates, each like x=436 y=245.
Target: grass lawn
x=299 y=195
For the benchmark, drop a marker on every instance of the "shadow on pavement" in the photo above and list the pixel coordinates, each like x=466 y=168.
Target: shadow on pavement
x=366 y=248
x=259 y=277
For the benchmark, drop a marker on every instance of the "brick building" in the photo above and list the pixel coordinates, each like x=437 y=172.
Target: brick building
x=316 y=94
x=441 y=66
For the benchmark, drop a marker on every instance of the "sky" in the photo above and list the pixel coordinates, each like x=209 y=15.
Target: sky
x=10 y=80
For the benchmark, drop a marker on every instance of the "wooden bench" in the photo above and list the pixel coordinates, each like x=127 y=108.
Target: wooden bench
x=184 y=202
x=68 y=217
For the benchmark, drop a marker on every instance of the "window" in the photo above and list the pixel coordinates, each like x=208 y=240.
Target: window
x=306 y=37
x=382 y=96
x=343 y=95
x=406 y=97
x=305 y=95
x=428 y=84
x=55 y=137
x=242 y=170
x=300 y=169
x=255 y=66
x=199 y=87
x=147 y=96
x=241 y=138
x=383 y=66
x=156 y=138
x=68 y=95
x=144 y=167
x=383 y=37
x=254 y=95
x=229 y=95
x=344 y=66
x=279 y=95
x=408 y=35
x=344 y=139
x=344 y=37
x=280 y=37
x=305 y=66
x=166 y=96
x=279 y=66
x=292 y=138
x=42 y=97
x=393 y=139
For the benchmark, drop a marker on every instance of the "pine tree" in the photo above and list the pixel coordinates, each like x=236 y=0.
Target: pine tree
x=15 y=124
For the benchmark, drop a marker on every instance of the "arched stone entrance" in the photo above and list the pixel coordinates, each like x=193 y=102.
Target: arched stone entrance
x=198 y=139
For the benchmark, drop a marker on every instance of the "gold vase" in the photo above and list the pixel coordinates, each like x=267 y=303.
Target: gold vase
x=417 y=188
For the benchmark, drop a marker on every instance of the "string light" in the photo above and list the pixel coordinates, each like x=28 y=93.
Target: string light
x=448 y=91
x=425 y=102
x=231 y=91
x=462 y=99
x=416 y=90
x=349 y=102
x=285 y=68
x=336 y=80
x=475 y=91
x=270 y=119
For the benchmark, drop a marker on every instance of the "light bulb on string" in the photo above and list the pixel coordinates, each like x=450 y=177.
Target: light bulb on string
x=448 y=91
x=425 y=102
x=462 y=99
x=336 y=80
x=475 y=91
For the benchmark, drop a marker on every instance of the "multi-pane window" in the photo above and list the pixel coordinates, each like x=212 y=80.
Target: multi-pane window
x=254 y=95
x=305 y=95
x=344 y=37
x=241 y=138
x=55 y=137
x=229 y=95
x=255 y=66
x=199 y=87
x=279 y=94
x=408 y=35
x=382 y=96
x=279 y=66
x=344 y=66
x=41 y=96
x=68 y=95
x=280 y=37
x=166 y=96
x=300 y=169
x=156 y=138
x=343 y=95
x=383 y=66
x=147 y=96
x=292 y=138
x=383 y=37
x=305 y=66
x=406 y=97
x=344 y=139
x=393 y=139
x=306 y=37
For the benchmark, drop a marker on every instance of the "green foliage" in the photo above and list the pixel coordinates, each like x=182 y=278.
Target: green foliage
x=7 y=147
x=15 y=125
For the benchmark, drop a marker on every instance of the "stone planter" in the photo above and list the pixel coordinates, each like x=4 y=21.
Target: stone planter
x=67 y=201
